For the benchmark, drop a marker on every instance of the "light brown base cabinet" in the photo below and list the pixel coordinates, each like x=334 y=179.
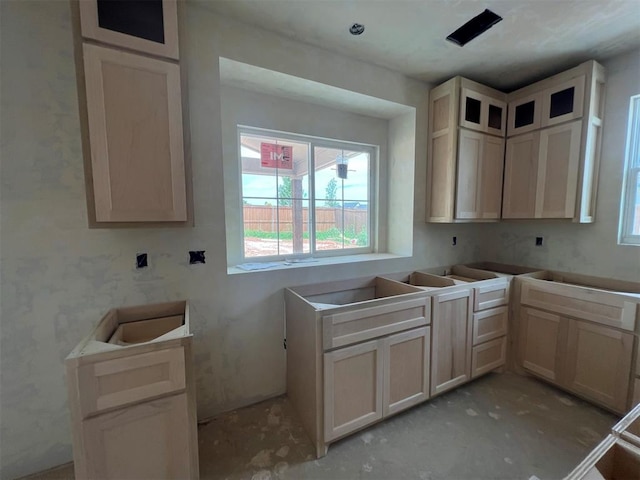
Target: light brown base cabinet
x=357 y=351
x=369 y=381
x=132 y=396
x=579 y=338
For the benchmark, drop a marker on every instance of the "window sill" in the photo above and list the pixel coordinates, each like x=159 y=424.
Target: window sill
x=318 y=262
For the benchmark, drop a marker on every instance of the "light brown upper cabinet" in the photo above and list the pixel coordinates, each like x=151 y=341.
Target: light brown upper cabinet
x=149 y=26
x=553 y=149
x=136 y=137
x=466 y=152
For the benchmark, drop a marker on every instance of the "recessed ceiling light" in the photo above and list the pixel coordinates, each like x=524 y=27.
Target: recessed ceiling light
x=356 y=29
x=474 y=27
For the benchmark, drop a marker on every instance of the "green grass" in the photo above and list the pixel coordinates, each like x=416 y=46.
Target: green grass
x=332 y=234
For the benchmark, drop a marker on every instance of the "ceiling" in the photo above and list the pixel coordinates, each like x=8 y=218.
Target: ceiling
x=536 y=38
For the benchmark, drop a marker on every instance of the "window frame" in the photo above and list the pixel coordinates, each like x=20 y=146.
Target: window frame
x=632 y=155
x=313 y=141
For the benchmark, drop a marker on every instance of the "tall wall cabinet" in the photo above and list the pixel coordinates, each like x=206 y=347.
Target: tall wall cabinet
x=131 y=104
x=553 y=146
x=466 y=147
x=552 y=130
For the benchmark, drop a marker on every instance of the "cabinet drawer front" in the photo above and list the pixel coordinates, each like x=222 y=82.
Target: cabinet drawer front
x=580 y=302
x=490 y=324
x=488 y=356
x=355 y=326
x=122 y=381
x=491 y=296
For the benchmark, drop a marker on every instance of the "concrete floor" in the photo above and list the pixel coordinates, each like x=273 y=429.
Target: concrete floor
x=501 y=426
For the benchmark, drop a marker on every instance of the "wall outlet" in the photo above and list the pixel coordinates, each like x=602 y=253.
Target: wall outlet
x=141 y=260
x=539 y=241
x=196 y=256
x=454 y=241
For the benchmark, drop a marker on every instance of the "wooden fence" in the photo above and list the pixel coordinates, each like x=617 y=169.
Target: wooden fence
x=265 y=218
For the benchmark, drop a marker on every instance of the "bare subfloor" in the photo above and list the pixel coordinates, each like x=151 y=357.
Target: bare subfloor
x=502 y=426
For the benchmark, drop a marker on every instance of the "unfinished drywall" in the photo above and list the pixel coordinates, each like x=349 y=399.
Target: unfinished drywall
x=591 y=248
x=59 y=277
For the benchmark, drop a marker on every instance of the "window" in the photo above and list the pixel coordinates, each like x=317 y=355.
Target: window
x=630 y=211
x=304 y=196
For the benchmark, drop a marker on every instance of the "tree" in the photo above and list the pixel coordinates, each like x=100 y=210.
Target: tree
x=331 y=193
x=285 y=192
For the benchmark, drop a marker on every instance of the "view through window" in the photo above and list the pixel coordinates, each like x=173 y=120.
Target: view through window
x=304 y=196
x=630 y=213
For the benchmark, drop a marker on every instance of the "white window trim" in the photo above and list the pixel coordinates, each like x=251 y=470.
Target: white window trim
x=632 y=152
x=373 y=207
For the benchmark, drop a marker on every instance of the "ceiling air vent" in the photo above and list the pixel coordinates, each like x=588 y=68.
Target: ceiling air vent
x=474 y=27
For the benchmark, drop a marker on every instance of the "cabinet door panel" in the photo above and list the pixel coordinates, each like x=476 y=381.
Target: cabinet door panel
x=135 y=133
x=149 y=440
x=599 y=363
x=558 y=163
x=406 y=369
x=470 y=173
x=352 y=388
x=540 y=342
x=451 y=345
x=149 y=26
x=491 y=183
x=520 y=176
x=563 y=102
x=524 y=114
x=488 y=356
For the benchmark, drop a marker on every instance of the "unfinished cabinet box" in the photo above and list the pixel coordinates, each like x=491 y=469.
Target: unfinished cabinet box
x=132 y=396
x=357 y=351
x=466 y=152
x=579 y=336
x=149 y=26
x=612 y=459
x=551 y=171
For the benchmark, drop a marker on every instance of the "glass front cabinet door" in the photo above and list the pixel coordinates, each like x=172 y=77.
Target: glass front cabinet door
x=149 y=26
x=563 y=102
x=524 y=114
x=482 y=113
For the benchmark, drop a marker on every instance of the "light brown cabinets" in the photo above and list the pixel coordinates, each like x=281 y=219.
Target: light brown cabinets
x=132 y=396
x=466 y=151
x=131 y=108
x=150 y=27
x=553 y=149
x=452 y=331
x=357 y=351
x=366 y=382
x=579 y=338
x=617 y=456
x=135 y=131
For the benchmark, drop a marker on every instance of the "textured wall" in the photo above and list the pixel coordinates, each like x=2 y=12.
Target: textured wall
x=59 y=277
x=591 y=249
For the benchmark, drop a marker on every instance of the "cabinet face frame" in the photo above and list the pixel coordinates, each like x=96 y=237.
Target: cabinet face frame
x=422 y=393
x=91 y=28
x=536 y=98
x=103 y=183
x=331 y=431
x=577 y=84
